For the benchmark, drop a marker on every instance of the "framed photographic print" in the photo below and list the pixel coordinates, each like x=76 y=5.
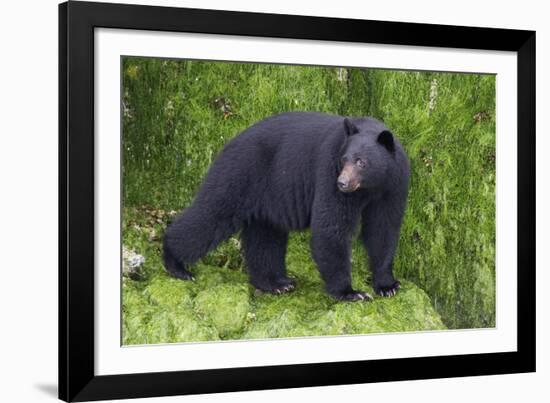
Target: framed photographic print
x=259 y=201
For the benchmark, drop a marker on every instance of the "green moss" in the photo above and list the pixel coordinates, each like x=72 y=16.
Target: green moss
x=220 y=304
x=178 y=325
x=224 y=307
x=294 y=316
x=151 y=317
x=208 y=276
x=167 y=292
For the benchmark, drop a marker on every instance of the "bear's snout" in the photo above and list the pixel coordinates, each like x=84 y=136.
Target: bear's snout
x=343 y=183
x=348 y=180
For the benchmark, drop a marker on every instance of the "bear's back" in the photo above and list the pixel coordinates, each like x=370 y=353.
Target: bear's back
x=282 y=155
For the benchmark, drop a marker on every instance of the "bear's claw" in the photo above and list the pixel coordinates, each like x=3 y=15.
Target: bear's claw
x=288 y=286
x=284 y=288
x=355 y=296
x=388 y=291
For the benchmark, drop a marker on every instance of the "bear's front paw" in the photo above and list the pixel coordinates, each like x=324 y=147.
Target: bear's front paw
x=354 y=296
x=389 y=291
x=283 y=288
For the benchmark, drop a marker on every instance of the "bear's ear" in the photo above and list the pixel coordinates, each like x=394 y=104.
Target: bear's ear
x=351 y=129
x=386 y=139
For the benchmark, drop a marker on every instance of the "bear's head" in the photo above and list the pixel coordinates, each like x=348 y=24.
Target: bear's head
x=366 y=155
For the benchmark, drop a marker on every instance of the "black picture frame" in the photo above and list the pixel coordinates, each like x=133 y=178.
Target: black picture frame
x=77 y=21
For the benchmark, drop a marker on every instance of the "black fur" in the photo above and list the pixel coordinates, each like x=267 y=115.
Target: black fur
x=281 y=175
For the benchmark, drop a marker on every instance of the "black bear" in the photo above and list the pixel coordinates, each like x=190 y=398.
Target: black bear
x=293 y=171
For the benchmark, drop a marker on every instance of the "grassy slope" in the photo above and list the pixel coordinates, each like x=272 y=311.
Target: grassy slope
x=178 y=115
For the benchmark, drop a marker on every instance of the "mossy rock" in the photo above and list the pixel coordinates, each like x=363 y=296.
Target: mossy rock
x=409 y=310
x=170 y=292
x=221 y=305
x=170 y=311
x=146 y=321
x=178 y=325
x=224 y=307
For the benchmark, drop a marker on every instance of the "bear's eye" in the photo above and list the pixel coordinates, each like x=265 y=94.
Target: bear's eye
x=360 y=163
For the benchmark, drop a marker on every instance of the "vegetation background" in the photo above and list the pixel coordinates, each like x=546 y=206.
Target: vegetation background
x=177 y=115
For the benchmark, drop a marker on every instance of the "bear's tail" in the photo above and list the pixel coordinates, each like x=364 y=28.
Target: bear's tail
x=191 y=236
